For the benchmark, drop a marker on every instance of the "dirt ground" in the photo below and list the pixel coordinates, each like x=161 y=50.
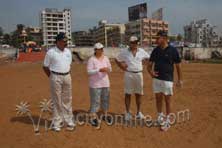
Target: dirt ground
x=202 y=95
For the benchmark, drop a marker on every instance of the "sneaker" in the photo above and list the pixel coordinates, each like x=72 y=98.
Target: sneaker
x=140 y=115
x=128 y=116
x=57 y=129
x=160 y=119
x=165 y=126
x=70 y=126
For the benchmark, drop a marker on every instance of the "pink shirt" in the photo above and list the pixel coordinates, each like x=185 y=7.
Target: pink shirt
x=98 y=79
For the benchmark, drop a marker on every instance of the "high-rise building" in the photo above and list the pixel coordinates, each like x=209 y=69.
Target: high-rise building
x=137 y=12
x=83 y=38
x=53 y=22
x=201 y=32
x=146 y=30
x=109 y=34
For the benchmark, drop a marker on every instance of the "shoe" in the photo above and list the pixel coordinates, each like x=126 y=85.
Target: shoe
x=70 y=126
x=128 y=116
x=139 y=115
x=160 y=119
x=165 y=126
x=57 y=129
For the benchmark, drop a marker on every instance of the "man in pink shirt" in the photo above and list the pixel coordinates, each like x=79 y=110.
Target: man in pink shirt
x=98 y=68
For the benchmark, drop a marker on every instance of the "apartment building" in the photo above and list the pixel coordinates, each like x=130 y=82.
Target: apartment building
x=201 y=32
x=109 y=34
x=83 y=38
x=146 y=30
x=54 y=21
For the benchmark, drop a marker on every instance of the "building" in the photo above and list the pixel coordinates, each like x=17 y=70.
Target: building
x=109 y=34
x=36 y=34
x=53 y=22
x=83 y=38
x=201 y=32
x=146 y=30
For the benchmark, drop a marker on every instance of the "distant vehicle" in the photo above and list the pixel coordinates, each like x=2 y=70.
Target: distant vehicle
x=72 y=46
x=192 y=45
x=5 y=46
x=177 y=44
x=37 y=49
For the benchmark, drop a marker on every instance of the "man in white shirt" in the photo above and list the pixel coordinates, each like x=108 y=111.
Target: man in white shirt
x=56 y=65
x=131 y=61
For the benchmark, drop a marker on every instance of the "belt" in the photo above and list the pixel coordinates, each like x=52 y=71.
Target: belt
x=58 y=73
x=134 y=71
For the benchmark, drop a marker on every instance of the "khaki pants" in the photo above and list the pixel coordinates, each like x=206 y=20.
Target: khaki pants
x=61 y=93
x=133 y=83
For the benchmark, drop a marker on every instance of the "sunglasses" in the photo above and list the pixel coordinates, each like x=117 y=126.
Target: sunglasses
x=134 y=42
x=99 y=49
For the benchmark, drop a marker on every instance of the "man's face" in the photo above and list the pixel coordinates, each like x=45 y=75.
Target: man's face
x=161 y=40
x=62 y=43
x=134 y=45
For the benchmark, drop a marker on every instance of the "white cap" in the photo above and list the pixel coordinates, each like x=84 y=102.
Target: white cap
x=133 y=39
x=98 y=46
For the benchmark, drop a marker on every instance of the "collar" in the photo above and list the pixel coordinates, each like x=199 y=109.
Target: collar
x=57 y=49
x=131 y=50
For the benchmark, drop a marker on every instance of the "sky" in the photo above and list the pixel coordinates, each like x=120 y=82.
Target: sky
x=87 y=13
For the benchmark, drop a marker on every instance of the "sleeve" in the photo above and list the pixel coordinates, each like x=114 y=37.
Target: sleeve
x=176 y=57
x=153 y=56
x=120 y=56
x=145 y=55
x=47 y=60
x=70 y=56
x=109 y=64
x=90 y=67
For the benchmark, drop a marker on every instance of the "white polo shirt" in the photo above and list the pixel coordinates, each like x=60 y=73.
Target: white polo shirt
x=134 y=62
x=57 y=60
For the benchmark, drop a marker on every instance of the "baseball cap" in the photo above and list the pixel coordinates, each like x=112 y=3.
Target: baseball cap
x=61 y=36
x=133 y=39
x=98 y=46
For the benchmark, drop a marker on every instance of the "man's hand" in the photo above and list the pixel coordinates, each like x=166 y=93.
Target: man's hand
x=179 y=83
x=123 y=66
x=145 y=61
x=153 y=74
x=104 y=69
x=46 y=70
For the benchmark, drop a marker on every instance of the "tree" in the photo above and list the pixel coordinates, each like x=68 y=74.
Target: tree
x=7 y=39
x=16 y=39
x=20 y=28
x=179 y=37
x=172 y=38
x=1 y=31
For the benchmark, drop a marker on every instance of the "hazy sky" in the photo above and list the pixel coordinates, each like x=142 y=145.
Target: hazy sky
x=86 y=13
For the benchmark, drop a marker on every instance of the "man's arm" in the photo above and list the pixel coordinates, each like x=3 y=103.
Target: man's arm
x=46 y=70
x=121 y=65
x=179 y=74
x=150 y=69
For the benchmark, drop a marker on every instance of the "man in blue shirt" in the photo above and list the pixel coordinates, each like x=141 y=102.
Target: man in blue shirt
x=161 y=68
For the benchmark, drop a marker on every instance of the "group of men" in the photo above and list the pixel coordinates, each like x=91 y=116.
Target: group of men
x=160 y=65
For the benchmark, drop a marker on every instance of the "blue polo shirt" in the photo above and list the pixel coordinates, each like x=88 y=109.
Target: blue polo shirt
x=164 y=60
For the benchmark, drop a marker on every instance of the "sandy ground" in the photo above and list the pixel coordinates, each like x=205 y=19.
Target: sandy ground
x=202 y=95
